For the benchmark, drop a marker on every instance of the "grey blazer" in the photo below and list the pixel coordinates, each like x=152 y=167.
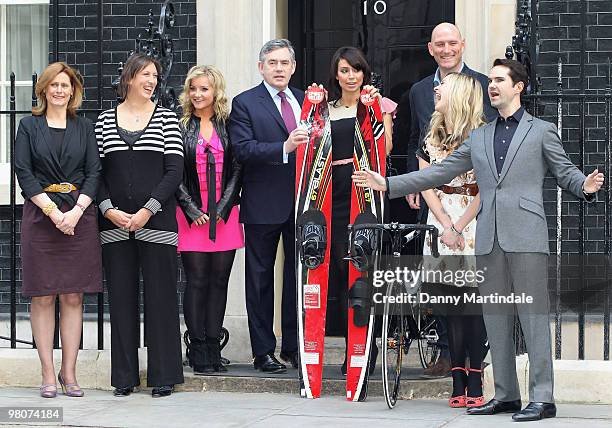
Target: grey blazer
x=511 y=202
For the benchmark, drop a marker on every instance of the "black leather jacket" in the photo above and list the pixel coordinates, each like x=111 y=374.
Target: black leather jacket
x=188 y=193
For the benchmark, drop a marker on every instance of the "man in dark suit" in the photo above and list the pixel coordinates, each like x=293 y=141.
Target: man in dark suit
x=263 y=134
x=446 y=47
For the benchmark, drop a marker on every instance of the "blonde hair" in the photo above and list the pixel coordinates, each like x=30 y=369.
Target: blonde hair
x=464 y=113
x=45 y=79
x=217 y=82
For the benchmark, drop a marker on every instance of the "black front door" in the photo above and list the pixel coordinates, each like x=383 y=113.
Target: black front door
x=393 y=34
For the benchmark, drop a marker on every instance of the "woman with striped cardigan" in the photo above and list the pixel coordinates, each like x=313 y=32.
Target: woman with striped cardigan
x=141 y=152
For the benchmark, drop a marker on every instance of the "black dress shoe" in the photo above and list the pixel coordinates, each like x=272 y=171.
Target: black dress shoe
x=162 y=391
x=495 y=406
x=269 y=364
x=290 y=358
x=535 y=412
x=123 y=392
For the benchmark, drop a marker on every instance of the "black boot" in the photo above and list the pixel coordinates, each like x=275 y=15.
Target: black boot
x=214 y=350
x=198 y=355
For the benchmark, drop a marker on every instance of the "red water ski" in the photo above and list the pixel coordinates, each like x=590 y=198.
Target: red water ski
x=366 y=207
x=313 y=232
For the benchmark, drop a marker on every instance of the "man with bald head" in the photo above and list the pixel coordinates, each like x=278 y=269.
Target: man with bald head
x=446 y=47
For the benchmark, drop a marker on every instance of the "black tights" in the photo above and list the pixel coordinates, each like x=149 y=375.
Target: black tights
x=206 y=292
x=467 y=337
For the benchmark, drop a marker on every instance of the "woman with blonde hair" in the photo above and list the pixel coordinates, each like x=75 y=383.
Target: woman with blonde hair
x=58 y=168
x=453 y=209
x=209 y=231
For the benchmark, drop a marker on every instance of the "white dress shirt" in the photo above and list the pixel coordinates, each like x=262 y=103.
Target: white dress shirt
x=293 y=102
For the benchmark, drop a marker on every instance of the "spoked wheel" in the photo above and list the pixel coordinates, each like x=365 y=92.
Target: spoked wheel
x=429 y=348
x=394 y=344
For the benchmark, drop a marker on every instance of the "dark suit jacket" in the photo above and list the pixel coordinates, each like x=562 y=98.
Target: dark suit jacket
x=37 y=164
x=422 y=107
x=257 y=133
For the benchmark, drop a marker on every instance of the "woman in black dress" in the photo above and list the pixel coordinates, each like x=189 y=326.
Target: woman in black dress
x=58 y=168
x=349 y=74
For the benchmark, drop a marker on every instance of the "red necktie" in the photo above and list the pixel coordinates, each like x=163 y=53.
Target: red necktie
x=287 y=113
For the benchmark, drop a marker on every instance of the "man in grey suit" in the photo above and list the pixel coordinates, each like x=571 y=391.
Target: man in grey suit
x=510 y=157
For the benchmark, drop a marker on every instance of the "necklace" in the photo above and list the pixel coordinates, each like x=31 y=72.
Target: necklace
x=135 y=116
x=344 y=105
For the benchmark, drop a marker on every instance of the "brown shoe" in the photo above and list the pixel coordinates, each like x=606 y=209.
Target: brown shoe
x=442 y=368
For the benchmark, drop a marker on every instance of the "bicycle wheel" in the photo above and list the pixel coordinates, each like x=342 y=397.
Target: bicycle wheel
x=393 y=343
x=429 y=349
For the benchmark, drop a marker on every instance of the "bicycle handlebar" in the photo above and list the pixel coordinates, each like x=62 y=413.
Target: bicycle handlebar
x=400 y=227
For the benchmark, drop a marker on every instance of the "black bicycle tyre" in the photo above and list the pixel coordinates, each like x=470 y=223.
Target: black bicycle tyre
x=393 y=346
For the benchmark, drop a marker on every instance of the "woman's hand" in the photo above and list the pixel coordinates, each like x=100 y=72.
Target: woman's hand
x=118 y=218
x=373 y=91
x=317 y=85
x=57 y=217
x=202 y=220
x=139 y=219
x=371 y=179
x=70 y=220
x=452 y=240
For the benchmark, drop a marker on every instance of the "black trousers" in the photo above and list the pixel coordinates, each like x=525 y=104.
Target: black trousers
x=123 y=262
x=338 y=284
x=261 y=243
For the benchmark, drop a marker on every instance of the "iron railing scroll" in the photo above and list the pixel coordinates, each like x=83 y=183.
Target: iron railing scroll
x=157 y=44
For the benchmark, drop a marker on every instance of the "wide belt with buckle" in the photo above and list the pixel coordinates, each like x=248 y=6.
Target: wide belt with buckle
x=470 y=189
x=60 y=188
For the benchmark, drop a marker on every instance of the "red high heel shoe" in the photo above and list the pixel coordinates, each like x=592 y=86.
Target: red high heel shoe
x=459 y=400
x=474 y=401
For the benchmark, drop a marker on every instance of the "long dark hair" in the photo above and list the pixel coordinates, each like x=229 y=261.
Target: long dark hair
x=356 y=59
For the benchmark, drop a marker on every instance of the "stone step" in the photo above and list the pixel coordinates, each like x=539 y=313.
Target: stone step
x=243 y=378
x=335 y=348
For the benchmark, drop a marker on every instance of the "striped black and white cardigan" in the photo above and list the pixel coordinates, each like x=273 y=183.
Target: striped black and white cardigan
x=146 y=174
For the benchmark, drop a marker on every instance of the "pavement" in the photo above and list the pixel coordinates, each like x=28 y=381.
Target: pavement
x=236 y=409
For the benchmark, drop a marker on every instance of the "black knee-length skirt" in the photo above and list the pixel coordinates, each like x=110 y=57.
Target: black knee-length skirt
x=54 y=263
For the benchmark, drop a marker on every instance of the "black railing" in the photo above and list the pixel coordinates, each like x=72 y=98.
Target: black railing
x=525 y=47
x=156 y=43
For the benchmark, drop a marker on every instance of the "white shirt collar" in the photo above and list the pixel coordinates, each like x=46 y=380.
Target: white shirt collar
x=274 y=92
x=437 y=79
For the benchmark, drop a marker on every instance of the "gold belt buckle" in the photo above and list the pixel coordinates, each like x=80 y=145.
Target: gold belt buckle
x=65 y=187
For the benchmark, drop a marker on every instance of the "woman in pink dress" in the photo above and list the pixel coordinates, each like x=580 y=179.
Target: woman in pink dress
x=209 y=231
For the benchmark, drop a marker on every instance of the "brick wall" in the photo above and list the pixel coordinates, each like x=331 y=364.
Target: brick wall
x=123 y=21
x=561 y=24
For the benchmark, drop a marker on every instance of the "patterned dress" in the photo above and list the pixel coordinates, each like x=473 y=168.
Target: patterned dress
x=454 y=205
